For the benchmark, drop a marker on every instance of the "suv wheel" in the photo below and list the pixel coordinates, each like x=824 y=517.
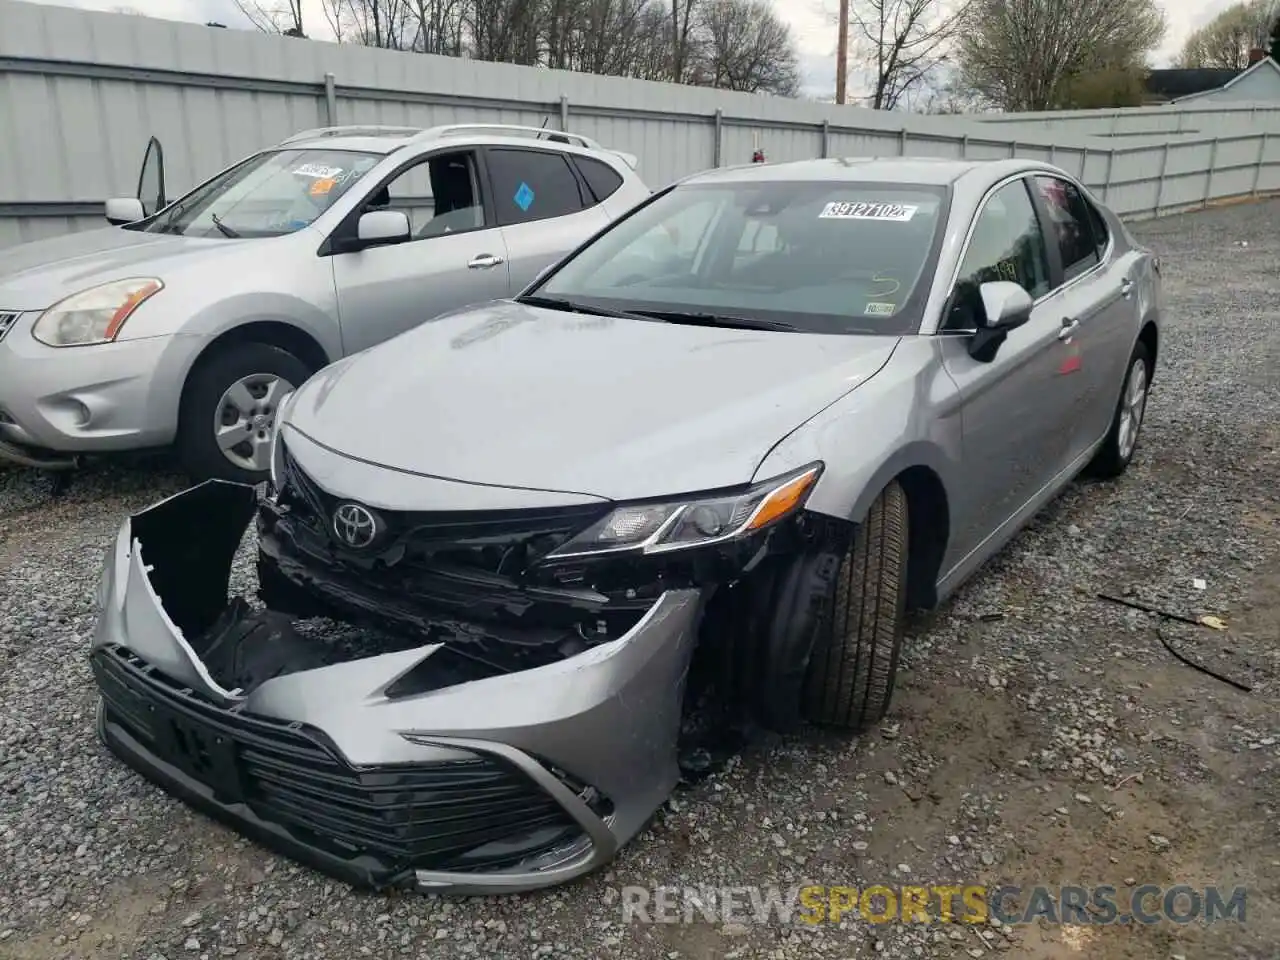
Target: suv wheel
x=855 y=656
x=229 y=409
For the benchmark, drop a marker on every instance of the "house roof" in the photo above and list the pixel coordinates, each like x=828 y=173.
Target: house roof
x=1185 y=83
x=1266 y=63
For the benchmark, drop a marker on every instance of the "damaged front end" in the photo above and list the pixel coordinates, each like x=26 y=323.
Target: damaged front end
x=434 y=700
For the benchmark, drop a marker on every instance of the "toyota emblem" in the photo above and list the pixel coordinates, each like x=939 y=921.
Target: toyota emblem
x=354 y=526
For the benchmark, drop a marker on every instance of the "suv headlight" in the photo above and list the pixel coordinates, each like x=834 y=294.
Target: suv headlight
x=680 y=524
x=94 y=315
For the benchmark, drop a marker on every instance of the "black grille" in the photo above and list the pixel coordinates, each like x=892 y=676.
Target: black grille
x=497 y=542
x=7 y=320
x=431 y=816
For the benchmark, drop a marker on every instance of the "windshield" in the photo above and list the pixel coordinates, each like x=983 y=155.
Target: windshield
x=268 y=195
x=819 y=257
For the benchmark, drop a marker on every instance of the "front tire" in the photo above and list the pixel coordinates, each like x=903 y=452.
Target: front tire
x=229 y=409
x=854 y=662
x=1122 y=439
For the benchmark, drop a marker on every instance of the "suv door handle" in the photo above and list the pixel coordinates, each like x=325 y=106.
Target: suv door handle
x=1126 y=287
x=486 y=261
x=1069 y=327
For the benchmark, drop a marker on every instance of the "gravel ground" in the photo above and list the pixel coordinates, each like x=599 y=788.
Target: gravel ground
x=1039 y=736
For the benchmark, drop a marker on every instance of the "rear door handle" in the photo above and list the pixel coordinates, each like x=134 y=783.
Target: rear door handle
x=1126 y=288
x=486 y=261
x=1069 y=327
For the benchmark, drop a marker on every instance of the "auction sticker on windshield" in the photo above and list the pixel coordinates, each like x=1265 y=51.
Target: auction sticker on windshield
x=317 y=170
x=862 y=210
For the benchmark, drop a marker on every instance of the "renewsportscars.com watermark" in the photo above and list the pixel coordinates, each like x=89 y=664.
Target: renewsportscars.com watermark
x=815 y=904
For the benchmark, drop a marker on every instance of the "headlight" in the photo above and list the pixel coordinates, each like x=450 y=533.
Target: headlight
x=94 y=315
x=679 y=524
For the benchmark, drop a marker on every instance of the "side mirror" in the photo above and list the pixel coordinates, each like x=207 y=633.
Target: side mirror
x=121 y=210
x=380 y=227
x=1005 y=306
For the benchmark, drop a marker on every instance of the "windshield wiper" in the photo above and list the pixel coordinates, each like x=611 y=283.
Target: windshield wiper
x=695 y=319
x=573 y=306
x=223 y=228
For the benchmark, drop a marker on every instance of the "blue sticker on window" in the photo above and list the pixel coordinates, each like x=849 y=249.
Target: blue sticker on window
x=524 y=197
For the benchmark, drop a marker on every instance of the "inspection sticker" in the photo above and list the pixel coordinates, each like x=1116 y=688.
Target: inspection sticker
x=318 y=170
x=880 y=309
x=861 y=210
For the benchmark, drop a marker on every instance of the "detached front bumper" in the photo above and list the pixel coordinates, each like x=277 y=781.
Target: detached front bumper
x=504 y=784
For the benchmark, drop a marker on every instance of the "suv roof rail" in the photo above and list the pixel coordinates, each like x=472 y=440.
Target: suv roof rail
x=353 y=130
x=539 y=133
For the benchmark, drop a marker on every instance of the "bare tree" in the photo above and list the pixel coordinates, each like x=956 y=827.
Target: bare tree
x=1027 y=54
x=737 y=44
x=901 y=41
x=274 y=16
x=1227 y=39
x=682 y=12
x=746 y=47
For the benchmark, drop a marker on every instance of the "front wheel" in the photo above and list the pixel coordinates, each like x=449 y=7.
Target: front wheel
x=855 y=655
x=1122 y=439
x=229 y=410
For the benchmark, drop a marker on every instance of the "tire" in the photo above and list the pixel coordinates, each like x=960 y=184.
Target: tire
x=207 y=402
x=1118 y=448
x=851 y=671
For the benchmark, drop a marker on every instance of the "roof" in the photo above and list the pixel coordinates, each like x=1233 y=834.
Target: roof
x=387 y=139
x=928 y=171
x=1266 y=63
x=1185 y=83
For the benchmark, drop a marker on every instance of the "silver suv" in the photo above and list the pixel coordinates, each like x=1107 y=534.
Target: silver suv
x=189 y=321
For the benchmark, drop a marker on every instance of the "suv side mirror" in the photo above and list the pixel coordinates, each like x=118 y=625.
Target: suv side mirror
x=1005 y=306
x=122 y=210
x=381 y=227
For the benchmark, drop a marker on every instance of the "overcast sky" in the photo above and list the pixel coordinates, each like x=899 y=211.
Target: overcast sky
x=812 y=21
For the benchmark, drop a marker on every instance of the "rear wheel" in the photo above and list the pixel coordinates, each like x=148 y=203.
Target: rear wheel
x=1122 y=439
x=851 y=670
x=229 y=410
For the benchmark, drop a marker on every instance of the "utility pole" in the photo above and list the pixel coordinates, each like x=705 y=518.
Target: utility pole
x=842 y=54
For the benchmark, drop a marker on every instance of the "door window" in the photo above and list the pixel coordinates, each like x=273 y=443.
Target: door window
x=1069 y=224
x=532 y=185
x=603 y=180
x=439 y=195
x=1007 y=244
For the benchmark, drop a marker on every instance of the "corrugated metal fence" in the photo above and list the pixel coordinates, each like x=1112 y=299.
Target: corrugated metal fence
x=81 y=92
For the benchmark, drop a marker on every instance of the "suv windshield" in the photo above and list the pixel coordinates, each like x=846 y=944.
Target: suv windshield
x=268 y=195
x=817 y=257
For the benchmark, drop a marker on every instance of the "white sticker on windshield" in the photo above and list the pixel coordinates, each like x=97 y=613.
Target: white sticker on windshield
x=861 y=210
x=317 y=170
x=880 y=309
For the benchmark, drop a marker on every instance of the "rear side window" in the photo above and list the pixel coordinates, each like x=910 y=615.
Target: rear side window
x=603 y=180
x=1101 y=235
x=531 y=185
x=1069 y=224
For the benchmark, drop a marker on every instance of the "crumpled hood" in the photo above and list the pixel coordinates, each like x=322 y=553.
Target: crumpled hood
x=515 y=396
x=36 y=275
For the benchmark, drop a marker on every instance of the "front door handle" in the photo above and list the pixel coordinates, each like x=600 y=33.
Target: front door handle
x=1126 y=288
x=1069 y=327
x=486 y=261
